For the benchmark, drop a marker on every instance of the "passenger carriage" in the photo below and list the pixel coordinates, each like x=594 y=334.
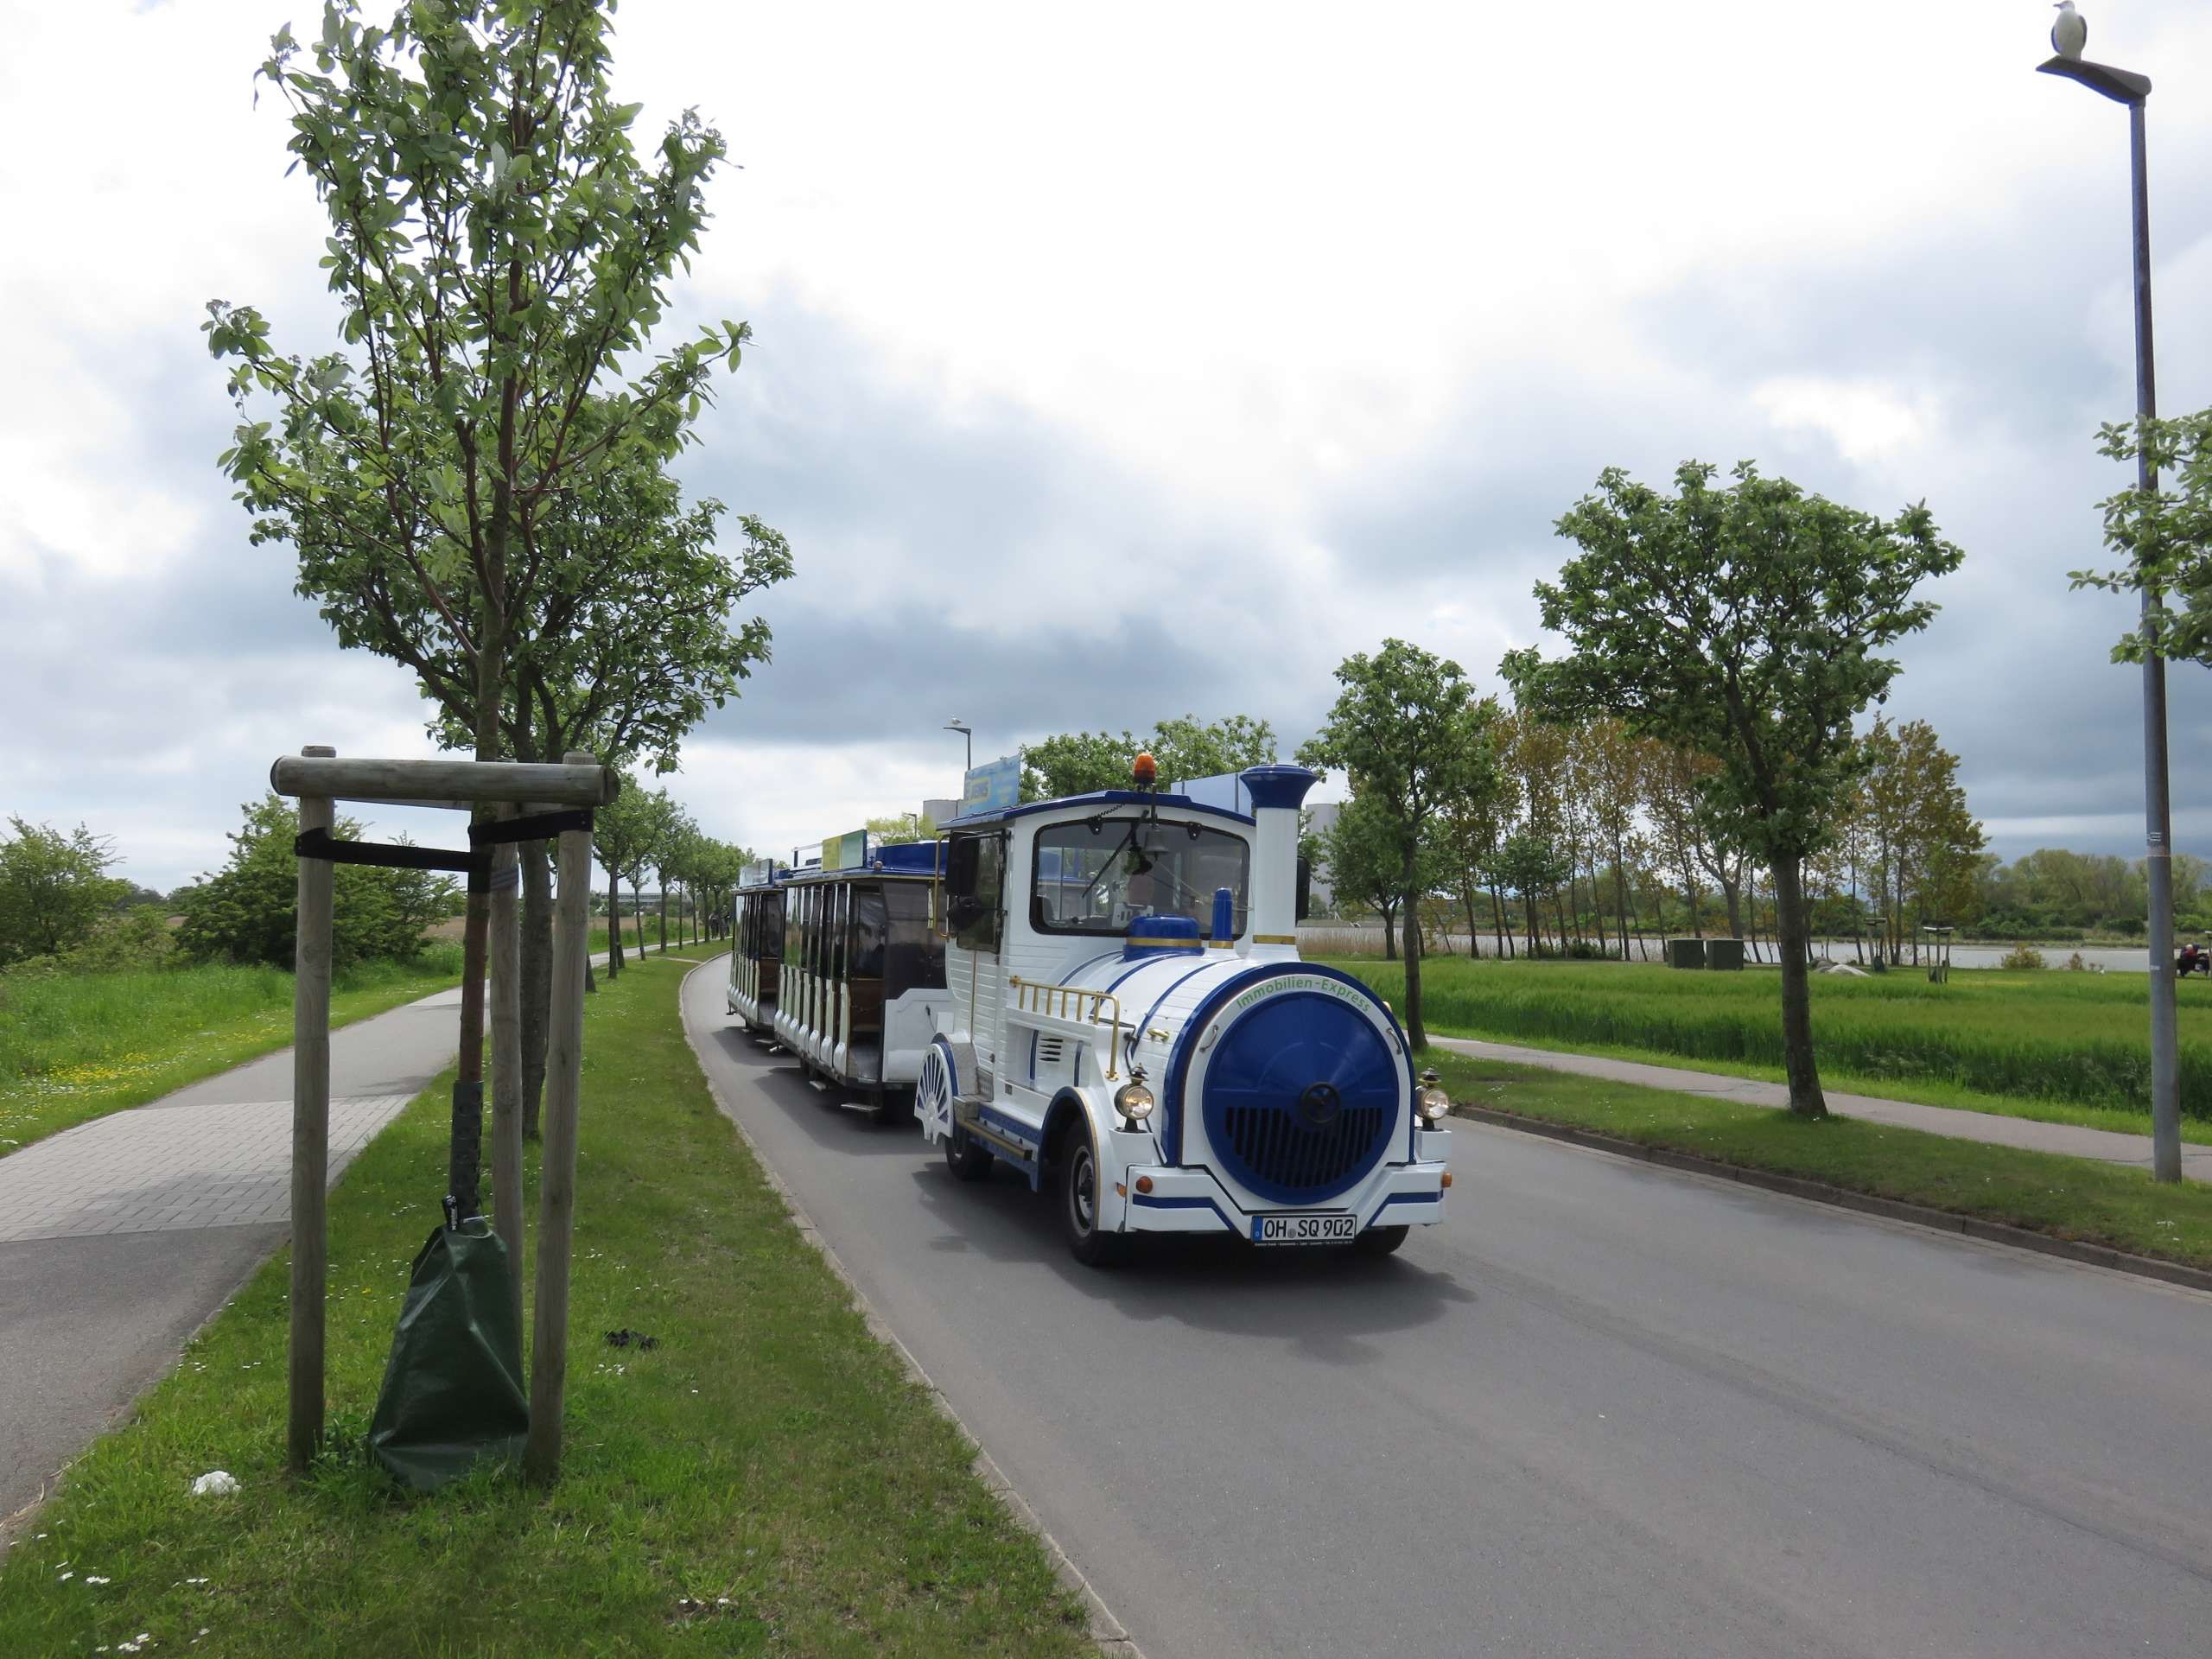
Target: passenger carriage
x=859 y=987
x=756 y=955
x=1130 y=1027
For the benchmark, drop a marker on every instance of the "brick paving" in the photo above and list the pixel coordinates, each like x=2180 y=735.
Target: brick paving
x=159 y=1168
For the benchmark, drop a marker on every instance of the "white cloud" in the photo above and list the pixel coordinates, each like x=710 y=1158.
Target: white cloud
x=1255 y=332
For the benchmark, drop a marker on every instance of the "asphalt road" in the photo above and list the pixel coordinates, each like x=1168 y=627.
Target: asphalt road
x=1605 y=1409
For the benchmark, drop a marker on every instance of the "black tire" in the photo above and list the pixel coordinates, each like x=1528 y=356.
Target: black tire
x=967 y=1159
x=893 y=1108
x=1380 y=1241
x=1076 y=1189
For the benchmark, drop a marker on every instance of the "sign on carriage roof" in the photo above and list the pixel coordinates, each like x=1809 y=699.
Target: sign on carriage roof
x=845 y=852
x=992 y=786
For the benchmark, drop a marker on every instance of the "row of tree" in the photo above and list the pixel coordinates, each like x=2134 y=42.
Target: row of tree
x=1580 y=837
x=645 y=831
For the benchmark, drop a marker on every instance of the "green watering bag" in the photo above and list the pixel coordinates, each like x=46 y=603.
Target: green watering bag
x=453 y=1393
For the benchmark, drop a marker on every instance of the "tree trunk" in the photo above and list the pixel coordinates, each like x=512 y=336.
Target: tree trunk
x=663 y=915
x=1561 y=911
x=1805 y=1097
x=1389 y=932
x=1416 y=1035
x=614 y=924
x=1733 y=893
x=536 y=977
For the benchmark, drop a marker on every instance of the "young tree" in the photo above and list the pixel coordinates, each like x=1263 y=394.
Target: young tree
x=1743 y=622
x=1532 y=865
x=500 y=250
x=53 y=888
x=1360 y=851
x=621 y=840
x=1410 y=733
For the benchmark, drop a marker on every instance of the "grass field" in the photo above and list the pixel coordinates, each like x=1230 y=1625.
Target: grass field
x=2068 y=1047
x=2068 y=1198
x=77 y=1047
x=766 y=1479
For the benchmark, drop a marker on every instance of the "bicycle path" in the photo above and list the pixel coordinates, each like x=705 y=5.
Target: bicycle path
x=2105 y=1145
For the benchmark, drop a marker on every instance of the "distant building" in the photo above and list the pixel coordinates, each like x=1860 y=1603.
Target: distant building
x=1319 y=820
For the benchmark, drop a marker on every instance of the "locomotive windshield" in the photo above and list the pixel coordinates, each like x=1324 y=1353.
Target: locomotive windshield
x=1099 y=875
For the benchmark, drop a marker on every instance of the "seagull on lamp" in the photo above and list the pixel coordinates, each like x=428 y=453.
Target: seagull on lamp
x=2070 y=33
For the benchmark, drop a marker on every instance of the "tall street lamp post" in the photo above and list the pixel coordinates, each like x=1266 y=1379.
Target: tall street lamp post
x=961 y=727
x=2123 y=86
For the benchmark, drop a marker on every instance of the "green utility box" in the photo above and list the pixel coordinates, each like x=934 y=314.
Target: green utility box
x=1724 y=954
x=1686 y=953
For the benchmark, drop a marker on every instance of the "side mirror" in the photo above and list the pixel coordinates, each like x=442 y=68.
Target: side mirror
x=1305 y=888
x=962 y=912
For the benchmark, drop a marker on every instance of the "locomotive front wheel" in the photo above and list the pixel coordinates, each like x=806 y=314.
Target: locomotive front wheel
x=1380 y=1241
x=967 y=1159
x=1078 y=1186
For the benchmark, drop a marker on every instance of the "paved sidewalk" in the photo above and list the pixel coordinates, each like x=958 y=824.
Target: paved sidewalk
x=2107 y=1146
x=119 y=1237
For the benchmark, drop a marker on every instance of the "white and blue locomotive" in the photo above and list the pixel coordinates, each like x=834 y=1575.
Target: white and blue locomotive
x=1130 y=1027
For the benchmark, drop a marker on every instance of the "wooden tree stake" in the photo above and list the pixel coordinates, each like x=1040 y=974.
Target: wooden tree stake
x=548 y=1348
x=506 y=1056
x=310 y=1136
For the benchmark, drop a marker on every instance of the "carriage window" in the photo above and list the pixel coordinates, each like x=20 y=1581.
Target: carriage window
x=868 y=933
x=1097 y=876
x=915 y=957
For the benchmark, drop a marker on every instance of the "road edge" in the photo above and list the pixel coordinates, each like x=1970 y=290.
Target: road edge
x=1107 y=1632
x=1919 y=1215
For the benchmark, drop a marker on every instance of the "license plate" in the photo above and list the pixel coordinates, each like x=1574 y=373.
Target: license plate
x=1303 y=1230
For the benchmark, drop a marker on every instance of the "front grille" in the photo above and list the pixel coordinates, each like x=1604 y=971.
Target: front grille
x=1273 y=1143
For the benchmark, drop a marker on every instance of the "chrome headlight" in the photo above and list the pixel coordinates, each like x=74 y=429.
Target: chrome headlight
x=1134 y=1101
x=1431 y=1104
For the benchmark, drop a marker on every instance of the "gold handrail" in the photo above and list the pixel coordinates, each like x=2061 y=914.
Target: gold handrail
x=1052 y=1002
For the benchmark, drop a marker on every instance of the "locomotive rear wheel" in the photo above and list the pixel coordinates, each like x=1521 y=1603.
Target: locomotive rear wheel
x=1078 y=1192
x=967 y=1159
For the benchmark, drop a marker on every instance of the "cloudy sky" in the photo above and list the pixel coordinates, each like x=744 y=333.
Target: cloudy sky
x=1117 y=364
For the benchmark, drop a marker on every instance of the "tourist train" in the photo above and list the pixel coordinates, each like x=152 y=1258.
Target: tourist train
x=840 y=961
x=1120 y=1013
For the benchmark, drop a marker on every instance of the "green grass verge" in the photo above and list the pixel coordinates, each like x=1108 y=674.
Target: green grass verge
x=78 y=1047
x=2067 y=1197
x=2065 y=1048
x=766 y=1480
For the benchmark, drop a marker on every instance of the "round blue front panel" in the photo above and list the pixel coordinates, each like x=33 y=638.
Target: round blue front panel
x=1301 y=1099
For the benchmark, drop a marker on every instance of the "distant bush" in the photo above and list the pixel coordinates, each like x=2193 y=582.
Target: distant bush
x=2075 y=964
x=244 y=911
x=129 y=941
x=1584 y=951
x=2026 y=956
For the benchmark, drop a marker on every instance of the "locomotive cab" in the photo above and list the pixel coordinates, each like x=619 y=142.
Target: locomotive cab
x=1131 y=1028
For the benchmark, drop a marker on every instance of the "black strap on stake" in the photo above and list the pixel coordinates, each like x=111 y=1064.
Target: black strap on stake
x=541 y=827
x=475 y=864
